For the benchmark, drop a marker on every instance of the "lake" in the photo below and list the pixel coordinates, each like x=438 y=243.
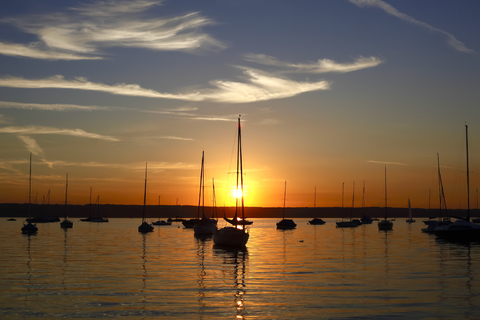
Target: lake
x=111 y=271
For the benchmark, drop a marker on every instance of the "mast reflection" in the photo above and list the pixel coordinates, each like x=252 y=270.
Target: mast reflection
x=235 y=261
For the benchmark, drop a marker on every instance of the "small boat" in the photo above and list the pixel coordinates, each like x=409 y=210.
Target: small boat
x=351 y=223
x=366 y=219
x=315 y=221
x=239 y=220
x=11 y=219
x=29 y=227
x=162 y=222
x=409 y=220
x=461 y=229
x=145 y=226
x=286 y=224
x=236 y=236
x=205 y=226
x=385 y=224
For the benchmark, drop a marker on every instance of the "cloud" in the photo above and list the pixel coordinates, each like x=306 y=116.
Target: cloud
x=36 y=51
x=49 y=130
x=321 y=66
x=259 y=86
x=451 y=40
x=385 y=162
x=84 y=31
x=152 y=166
x=31 y=145
x=174 y=138
x=50 y=107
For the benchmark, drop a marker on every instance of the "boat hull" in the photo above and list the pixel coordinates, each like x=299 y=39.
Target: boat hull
x=230 y=237
x=286 y=224
x=66 y=224
x=29 y=228
x=385 y=225
x=316 y=221
x=347 y=224
x=204 y=229
x=145 y=227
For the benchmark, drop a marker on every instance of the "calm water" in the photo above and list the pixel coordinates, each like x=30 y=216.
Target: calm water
x=110 y=270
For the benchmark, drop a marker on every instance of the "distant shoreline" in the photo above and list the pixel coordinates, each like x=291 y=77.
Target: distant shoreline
x=168 y=211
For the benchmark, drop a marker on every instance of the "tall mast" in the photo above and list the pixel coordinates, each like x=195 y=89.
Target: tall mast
x=315 y=198
x=30 y=189
x=284 y=198
x=343 y=192
x=468 y=177
x=241 y=168
x=353 y=201
x=144 y=194
x=66 y=192
x=385 y=192
x=201 y=189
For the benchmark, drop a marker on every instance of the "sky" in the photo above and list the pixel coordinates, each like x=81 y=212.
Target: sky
x=334 y=95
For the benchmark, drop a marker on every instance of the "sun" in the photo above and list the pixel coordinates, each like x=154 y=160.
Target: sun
x=237 y=193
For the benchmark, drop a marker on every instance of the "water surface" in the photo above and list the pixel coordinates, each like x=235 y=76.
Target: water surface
x=109 y=270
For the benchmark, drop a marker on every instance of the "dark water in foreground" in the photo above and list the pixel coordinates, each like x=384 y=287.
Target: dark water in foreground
x=313 y=272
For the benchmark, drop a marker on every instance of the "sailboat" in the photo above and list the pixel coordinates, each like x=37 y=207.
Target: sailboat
x=236 y=236
x=461 y=229
x=315 y=221
x=366 y=219
x=285 y=223
x=409 y=220
x=98 y=218
x=351 y=223
x=90 y=216
x=66 y=223
x=161 y=222
x=431 y=222
x=145 y=226
x=29 y=228
x=385 y=224
x=205 y=226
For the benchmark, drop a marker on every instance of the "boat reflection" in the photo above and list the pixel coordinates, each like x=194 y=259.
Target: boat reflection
x=234 y=264
x=201 y=274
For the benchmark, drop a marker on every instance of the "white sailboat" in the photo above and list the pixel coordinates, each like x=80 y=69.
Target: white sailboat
x=409 y=220
x=66 y=223
x=145 y=226
x=461 y=229
x=385 y=224
x=205 y=226
x=236 y=236
x=286 y=224
x=29 y=227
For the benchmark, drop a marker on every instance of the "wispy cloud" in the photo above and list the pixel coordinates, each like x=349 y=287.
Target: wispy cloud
x=83 y=31
x=174 y=138
x=385 y=162
x=321 y=66
x=451 y=40
x=50 y=130
x=51 y=107
x=259 y=86
x=32 y=145
x=124 y=166
x=37 y=50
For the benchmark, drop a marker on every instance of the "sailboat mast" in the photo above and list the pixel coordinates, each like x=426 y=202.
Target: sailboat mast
x=200 y=191
x=66 y=193
x=30 y=189
x=385 y=192
x=315 y=198
x=284 y=199
x=241 y=169
x=144 y=194
x=468 y=177
x=353 y=201
x=214 y=201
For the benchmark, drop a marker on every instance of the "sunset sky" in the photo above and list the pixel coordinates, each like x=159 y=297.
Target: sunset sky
x=329 y=92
